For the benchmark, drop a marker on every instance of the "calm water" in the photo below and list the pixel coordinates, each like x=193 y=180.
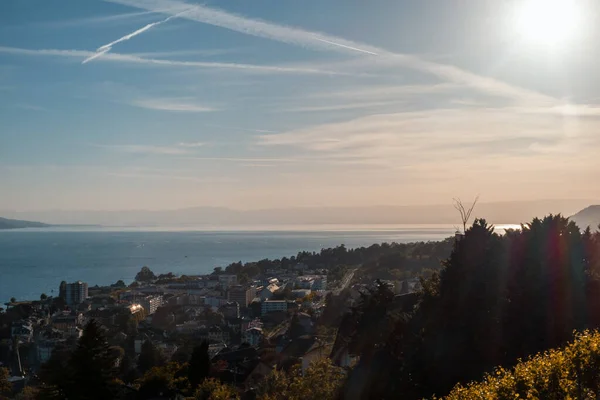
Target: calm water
x=34 y=261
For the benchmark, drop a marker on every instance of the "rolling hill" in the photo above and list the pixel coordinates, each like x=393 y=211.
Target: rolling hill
x=18 y=224
x=589 y=216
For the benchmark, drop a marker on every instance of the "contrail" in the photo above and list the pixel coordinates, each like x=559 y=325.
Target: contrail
x=107 y=47
x=95 y=55
x=347 y=47
x=321 y=41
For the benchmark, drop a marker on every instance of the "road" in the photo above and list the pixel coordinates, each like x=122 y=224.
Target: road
x=345 y=281
x=283 y=327
x=280 y=329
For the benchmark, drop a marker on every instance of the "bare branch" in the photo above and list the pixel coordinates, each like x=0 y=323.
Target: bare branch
x=465 y=213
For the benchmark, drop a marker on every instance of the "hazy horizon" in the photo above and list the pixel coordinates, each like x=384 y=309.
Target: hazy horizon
x=496 y=212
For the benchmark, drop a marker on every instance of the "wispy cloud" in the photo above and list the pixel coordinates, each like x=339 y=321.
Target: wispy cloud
x=181 y=148
x=325 y=42
x=176 y=104
x=30 y=107
x=378 y=92
x=107 y=47
x=337 y=107
x=179 y=53
x=127 y=58
x=465 y=136
x=141 y=175
x=237 y=128
x=104 y=19
x=145 y=149
x=190 y=144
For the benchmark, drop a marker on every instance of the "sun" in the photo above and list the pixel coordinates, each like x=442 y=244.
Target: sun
x=548 y=22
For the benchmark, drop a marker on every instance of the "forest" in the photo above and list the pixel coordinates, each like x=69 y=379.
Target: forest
x=496 y=300
x=378 y=261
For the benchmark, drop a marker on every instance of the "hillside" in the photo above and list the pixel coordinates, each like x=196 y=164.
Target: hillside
x=589 y=216
x=18 y=224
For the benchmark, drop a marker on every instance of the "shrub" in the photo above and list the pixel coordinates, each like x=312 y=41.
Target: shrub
x=572 y=372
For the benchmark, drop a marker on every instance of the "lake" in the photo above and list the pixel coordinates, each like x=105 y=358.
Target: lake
x=35 y=261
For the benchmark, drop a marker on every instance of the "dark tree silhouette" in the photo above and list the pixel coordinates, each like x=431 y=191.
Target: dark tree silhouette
x=93 y=366
x=145 y=275
x=62 y=290
x=496 y=299
x=88 y=373
x=199 y=368
x=150 y=357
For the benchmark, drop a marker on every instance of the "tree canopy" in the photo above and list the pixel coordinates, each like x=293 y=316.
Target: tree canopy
x=199 y=368
x=498 y=298
x=88 y=372
x=145 y=275
x=150 y=357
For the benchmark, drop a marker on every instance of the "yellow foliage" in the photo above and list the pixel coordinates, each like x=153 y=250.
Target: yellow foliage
x=213 y=389
x=572 y=372
x=322 y=380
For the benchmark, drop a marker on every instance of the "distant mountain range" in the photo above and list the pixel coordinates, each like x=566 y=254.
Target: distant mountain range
x=18 y=224
x=217 y=217
x=589 y=216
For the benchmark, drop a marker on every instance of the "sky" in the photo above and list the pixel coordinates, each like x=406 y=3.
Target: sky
x=165 y=104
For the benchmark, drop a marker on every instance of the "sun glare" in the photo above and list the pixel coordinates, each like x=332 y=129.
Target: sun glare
x=548 y=22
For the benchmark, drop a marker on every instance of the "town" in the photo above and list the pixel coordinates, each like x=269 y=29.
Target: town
x=278 y=318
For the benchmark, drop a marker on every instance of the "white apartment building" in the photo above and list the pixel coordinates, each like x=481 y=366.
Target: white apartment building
x=273 y=305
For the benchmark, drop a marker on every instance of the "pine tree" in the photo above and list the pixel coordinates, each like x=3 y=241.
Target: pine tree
x=93 y=366
x=199 y=365
x=150 y=357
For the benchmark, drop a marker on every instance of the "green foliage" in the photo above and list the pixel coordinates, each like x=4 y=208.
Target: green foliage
x=569 y=373
x=43 y=296
x=150 y=357
x=379 y=261
x=119 y=284
x=93 y=366
x=373 y=320
x=87 y=373
x=145 y=275
x=497 y=299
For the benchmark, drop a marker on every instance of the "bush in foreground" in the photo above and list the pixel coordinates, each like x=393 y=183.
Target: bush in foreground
x=572 y=372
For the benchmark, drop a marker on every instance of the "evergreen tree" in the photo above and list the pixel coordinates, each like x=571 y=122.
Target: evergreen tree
x=62 y=290
x=93 y=366
x=199 y=368
x=145 y=275
x=150 y=357
x=296 y=329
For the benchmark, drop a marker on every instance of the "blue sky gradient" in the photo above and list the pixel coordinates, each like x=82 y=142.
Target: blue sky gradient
x=257 y=104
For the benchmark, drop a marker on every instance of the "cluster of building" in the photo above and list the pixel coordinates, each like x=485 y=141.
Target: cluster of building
x=216 y=308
